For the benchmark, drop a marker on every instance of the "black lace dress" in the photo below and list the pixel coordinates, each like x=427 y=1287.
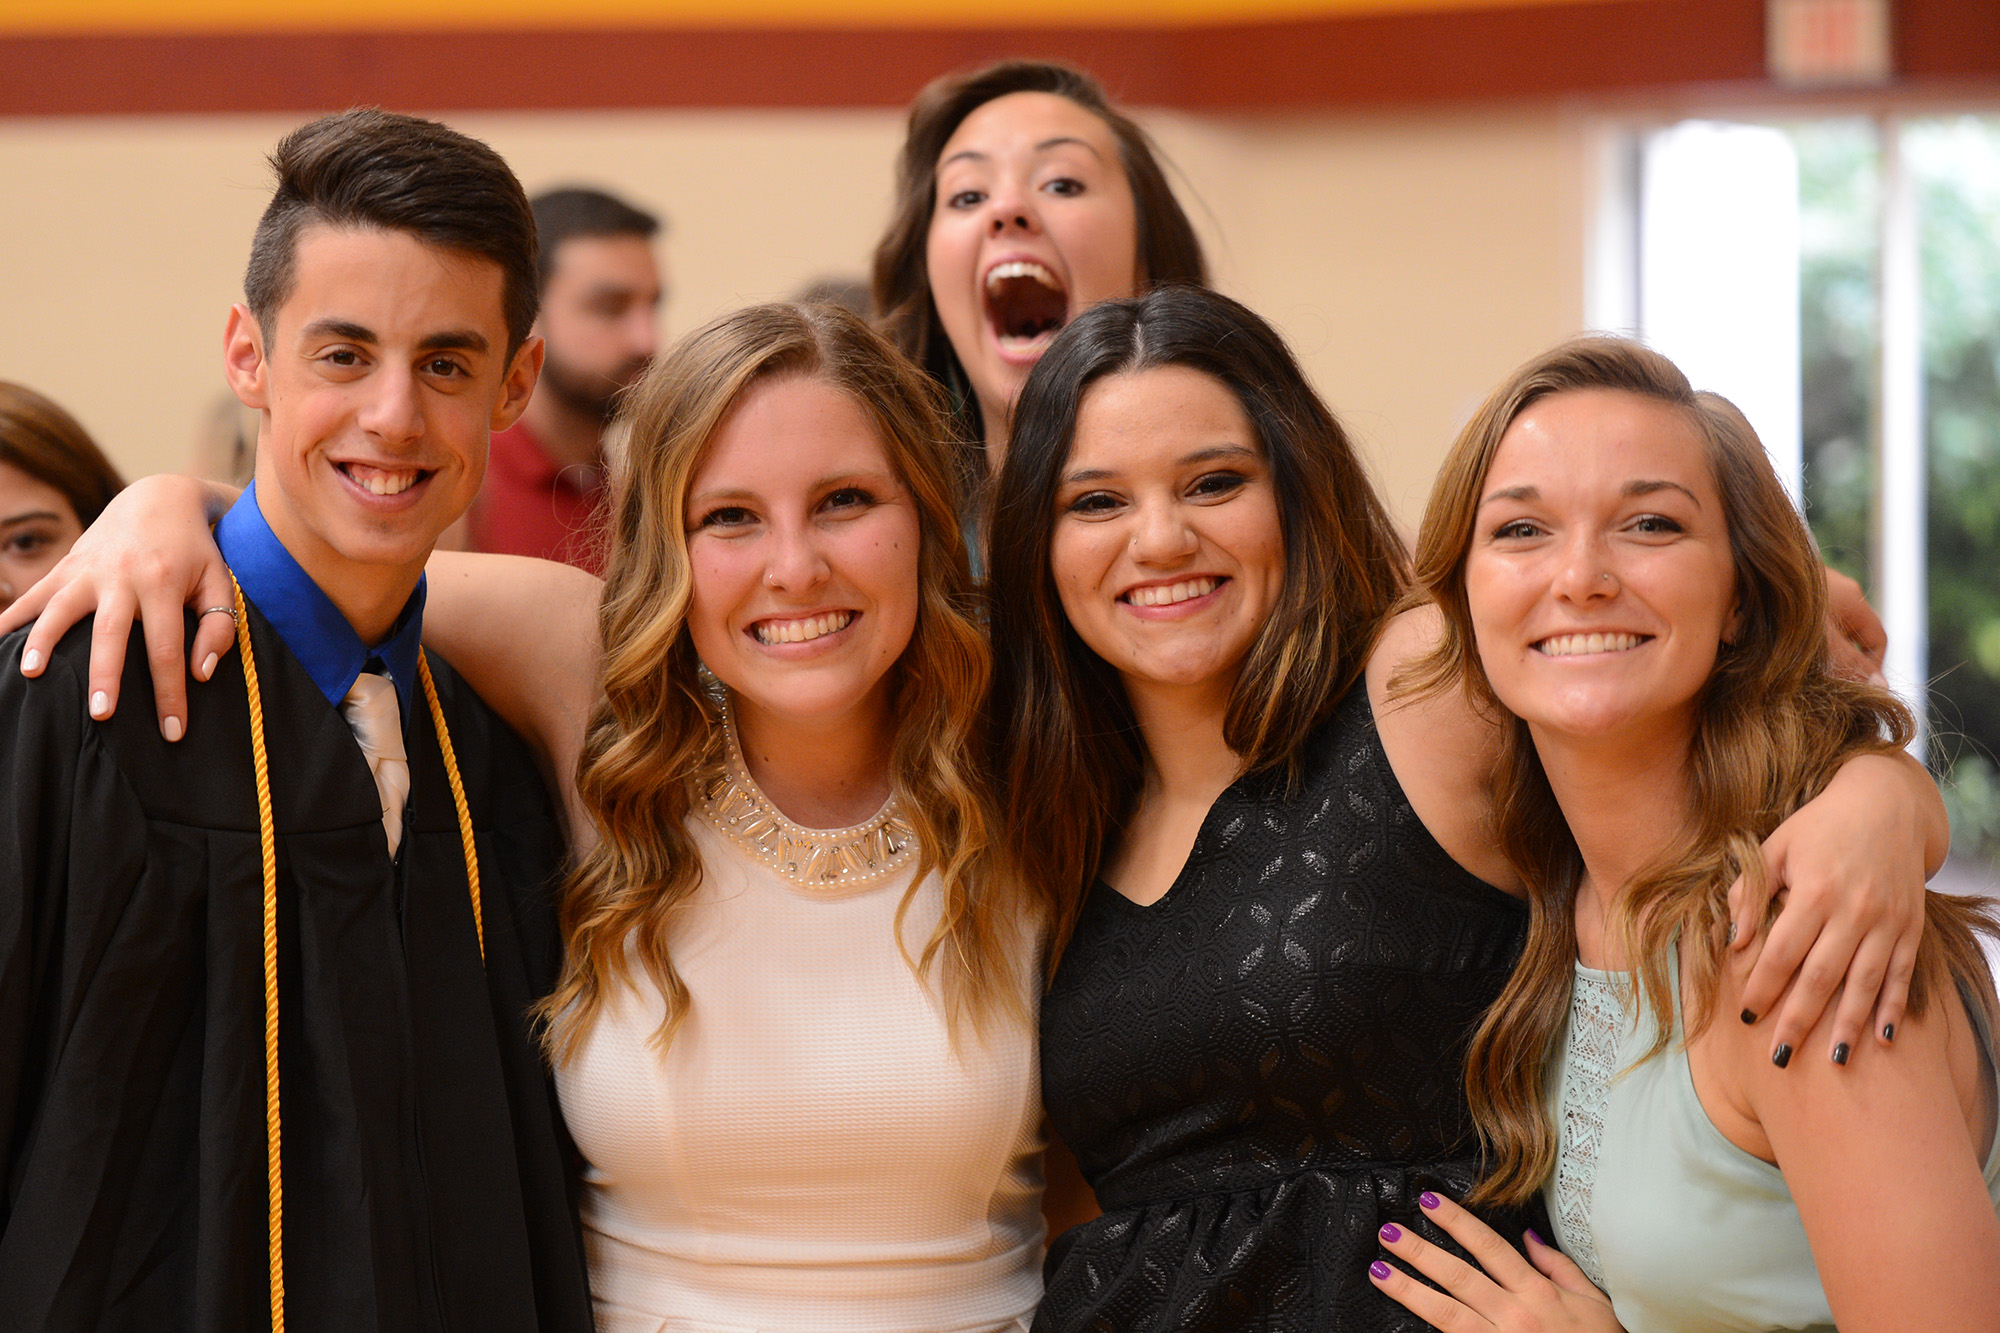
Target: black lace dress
x=1264 y=1066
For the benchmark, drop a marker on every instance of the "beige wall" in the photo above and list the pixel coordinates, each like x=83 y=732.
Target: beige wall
x=1411 y=259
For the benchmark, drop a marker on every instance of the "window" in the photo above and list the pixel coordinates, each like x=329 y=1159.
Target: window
x=1840 y=279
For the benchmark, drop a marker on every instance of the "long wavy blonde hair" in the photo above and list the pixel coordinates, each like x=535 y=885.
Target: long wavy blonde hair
x=1773 y=725
x=658 y=730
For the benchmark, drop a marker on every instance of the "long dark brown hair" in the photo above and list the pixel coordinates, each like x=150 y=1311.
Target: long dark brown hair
x=658 y=731
x=1071 y=758
x=1773 y=725
x=1168 y=249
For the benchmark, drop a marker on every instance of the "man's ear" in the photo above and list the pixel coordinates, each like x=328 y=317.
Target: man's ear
x=519 y=383
x=243 y=363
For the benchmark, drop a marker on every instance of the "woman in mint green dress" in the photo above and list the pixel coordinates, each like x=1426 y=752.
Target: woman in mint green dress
x=1620 y=569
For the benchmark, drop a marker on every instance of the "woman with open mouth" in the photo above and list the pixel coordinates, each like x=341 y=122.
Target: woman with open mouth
x=1278 y=909
x=1023 y=198
x=1622 y=573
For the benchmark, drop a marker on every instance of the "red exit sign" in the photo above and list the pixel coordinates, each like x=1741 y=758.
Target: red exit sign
x=1827 y=43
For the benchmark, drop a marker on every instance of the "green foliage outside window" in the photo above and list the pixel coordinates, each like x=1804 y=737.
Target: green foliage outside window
x=1955 y=165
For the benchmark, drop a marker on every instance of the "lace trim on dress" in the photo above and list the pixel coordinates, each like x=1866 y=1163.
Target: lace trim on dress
x=813 y=858
x=1597 y=1021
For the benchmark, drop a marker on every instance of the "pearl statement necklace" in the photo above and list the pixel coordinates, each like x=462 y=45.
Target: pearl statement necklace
x=814 y=858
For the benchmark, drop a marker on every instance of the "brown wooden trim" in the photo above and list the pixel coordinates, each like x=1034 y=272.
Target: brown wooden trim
x=1400 y=58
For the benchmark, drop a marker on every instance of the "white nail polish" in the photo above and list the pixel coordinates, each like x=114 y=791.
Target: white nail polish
x=31 y=660
x=171 y=728
x=208 y=667
x=100 y=704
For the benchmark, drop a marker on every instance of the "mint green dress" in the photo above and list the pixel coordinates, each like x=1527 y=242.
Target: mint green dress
x=1683 y=1229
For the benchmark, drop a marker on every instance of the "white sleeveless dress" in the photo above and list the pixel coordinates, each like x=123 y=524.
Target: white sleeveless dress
x=810 y=1154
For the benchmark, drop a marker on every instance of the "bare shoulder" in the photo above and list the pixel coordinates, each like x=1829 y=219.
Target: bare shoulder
x=1883 y=1157
x=1442 y=748
x=1935 y=1061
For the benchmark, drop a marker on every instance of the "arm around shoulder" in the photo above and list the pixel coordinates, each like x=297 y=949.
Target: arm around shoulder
x=523 y=633
x=1442 y=747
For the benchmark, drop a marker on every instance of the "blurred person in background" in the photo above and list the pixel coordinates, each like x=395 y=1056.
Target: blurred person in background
x=601 y=295
x=53 y=481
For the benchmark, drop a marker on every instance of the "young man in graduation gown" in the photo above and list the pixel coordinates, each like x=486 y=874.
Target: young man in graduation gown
x=385 y=333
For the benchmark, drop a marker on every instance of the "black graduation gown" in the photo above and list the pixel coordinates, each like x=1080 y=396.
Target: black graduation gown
x=426 y=1178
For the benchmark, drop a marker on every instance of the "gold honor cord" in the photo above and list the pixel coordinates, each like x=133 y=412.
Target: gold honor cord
x=267 y=837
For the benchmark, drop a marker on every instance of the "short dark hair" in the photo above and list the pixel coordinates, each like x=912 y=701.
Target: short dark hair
x=376 y=170
x=577 y=210
x=1070 y=752
x=1168 y=249
x=49 y=445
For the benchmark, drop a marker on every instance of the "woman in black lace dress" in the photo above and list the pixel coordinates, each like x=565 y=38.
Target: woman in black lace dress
x=1278 y=915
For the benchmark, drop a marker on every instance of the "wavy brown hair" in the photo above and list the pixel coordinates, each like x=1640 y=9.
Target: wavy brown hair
x=1071 y=758
x=1773 y=725
x=1168 y=248
x=658 y=731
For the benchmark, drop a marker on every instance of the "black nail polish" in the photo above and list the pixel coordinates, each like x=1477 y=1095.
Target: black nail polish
x=1840 y=1054
x=1748 y=1017
x=1782 y=1056
x=1888 y=1032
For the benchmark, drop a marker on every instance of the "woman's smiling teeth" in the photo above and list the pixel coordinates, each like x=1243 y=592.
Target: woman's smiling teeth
x=1577 y=645
x=802 y=630
x=382 y=481
x=1167 y=594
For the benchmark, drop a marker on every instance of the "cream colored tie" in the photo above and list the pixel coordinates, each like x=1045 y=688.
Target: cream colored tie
x=371 y=710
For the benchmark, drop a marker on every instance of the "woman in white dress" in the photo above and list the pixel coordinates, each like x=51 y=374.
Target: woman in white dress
x=792 y=1037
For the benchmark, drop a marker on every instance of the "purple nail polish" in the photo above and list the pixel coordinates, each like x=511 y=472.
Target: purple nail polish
x=1379 y=1271
x=1428 y=1199
x=1391 y=1232
x=1536 y=1237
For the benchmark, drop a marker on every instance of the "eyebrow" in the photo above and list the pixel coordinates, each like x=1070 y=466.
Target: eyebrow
x=1059 y=141
x=1631 y=489
x=832 y=481
x=1212 y=454
x=621 y=288
x=33 y=515
x=447 y=340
